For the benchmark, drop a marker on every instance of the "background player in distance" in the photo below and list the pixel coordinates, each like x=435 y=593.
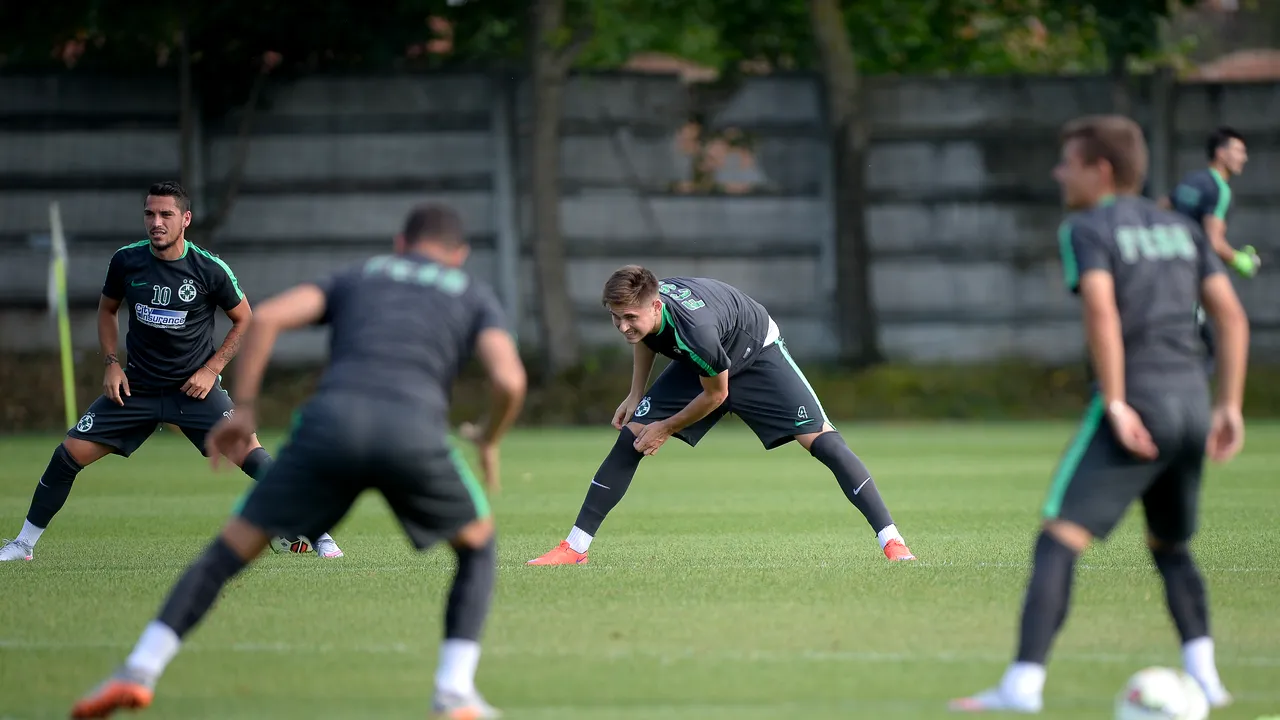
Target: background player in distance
x=1204 y=195
x=1136 y=268
x=402 y=328
x=728 y=356
x=172 y=289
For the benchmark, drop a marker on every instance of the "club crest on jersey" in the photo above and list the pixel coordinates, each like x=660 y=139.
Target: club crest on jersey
x=86 y=423
x=643 y=408
x=159 y=318
x=187 y=291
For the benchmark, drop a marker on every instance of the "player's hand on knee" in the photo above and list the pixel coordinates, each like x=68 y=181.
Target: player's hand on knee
x=1131 y=432
x=231 y=438
x=115 y=384
x=651 y=438
x=1226 y=435
x=624 y=412
x=199 y=385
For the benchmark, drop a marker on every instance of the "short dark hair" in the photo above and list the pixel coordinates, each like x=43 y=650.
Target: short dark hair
x=1219 y=139
x=170 y=188
x=1116 y=139
x=629 y=286
x=435 y=223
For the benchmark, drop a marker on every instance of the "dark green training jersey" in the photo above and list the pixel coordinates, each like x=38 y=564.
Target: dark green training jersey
x=1159 y=260
x=172 y=306
x=708 y=324
x=1201 y=194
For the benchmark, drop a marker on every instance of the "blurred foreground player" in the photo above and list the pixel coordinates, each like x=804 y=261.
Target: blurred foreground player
x=403 y=326
x=1137 y=268
x=1205 y=196
x=171 y=289
x=728 y=356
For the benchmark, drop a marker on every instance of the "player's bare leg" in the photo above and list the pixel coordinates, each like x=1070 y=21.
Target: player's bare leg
x=254 y=463
x=456 y=697
x=830 y=449
x=132 y=686
x=1043 y=612
x=69 y=458
x=605 y=492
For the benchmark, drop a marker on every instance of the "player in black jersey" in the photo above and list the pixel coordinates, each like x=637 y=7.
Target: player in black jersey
x=1136 y=268
x=402 y=326
x=729 y=356
x=1205 y=196
x=172 y=289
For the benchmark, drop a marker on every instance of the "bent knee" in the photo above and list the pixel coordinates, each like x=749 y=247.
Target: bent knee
x=1074 y=536
x=1166 y=547
x=634 y=427
x=475 y=534
x=85 y=452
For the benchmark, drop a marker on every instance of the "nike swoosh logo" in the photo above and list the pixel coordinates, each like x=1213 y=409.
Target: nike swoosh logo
x=140 y=284
x=606 y=487
x=803 y=422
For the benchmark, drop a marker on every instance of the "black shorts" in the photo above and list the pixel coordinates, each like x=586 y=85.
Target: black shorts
x=771 y=396
x=340 y=449
x=1098 y=478
x=124 y=428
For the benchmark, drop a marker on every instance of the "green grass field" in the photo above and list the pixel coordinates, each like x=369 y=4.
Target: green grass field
x=731 y=583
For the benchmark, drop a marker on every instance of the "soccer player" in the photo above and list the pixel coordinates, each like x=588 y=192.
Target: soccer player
x=1136 y=268
x=402 y=325
x=728 y=356
x=172 y=289
x=1205 y=196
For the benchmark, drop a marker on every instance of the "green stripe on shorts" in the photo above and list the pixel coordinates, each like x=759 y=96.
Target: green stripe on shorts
x=474 y=489
x=1075 y=453
x=786 y=355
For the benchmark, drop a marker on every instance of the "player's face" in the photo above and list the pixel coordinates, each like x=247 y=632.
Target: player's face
x=165 y=221
x=1081 y=183
x=1234 y=155
x=636 y=322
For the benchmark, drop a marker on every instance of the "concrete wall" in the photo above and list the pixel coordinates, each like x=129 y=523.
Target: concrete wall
x=962 y=217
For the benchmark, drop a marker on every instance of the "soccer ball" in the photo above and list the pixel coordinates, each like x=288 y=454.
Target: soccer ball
x=1159 y=693
x=286 y=545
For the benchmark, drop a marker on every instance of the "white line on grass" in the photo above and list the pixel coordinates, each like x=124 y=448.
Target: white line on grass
x=663 y=656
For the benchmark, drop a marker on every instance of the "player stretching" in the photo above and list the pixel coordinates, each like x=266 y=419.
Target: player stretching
x=1205 y=196
x=1136 y=268
x=171 y=289
x=728 y=357
x=403 y=326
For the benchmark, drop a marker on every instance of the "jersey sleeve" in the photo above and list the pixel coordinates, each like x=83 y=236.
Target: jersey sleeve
x=1082 y=250
x=1217 y=201
x=701 y=344
x=489 y=313
x=331 y=286
x=1208 y=260
x=225 y=289
x=113 y=286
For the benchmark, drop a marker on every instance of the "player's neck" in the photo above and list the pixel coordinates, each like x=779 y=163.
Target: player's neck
x=174 y=251
x=1103 y=200
x=1220 y=170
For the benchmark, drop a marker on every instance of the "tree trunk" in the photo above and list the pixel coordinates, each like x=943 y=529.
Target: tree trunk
x=561 y=351
x=858 y=327
x=1118 y=71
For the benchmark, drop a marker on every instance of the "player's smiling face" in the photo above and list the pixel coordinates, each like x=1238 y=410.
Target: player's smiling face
x=1234 y=155
x=165 y=221
x=635 y=322
x=1082 y=184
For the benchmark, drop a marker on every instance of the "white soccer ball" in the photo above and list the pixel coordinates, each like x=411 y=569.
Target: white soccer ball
x=1159 y=693
x=290 y=545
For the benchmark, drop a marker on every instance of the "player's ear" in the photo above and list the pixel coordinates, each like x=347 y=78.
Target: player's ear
x=186 y=219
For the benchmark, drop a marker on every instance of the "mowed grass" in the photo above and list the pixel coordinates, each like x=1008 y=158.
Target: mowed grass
x=730 y=583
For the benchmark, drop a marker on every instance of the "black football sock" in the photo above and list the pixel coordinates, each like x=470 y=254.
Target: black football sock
x=610 y=483
x=54 y=487
x=1048 y=595
x=1184 y=591
x=471 y=593
x=855 y=480
x=256 y=463
x=193 y=595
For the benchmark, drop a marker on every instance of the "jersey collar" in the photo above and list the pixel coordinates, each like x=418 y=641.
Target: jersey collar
x=186 y=247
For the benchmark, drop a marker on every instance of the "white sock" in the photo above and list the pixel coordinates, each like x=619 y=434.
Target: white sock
x=579 y=540
x=457 y=670
x=157 y=646
x=30 y=534
x=1023 y=680
x=1197 y=658
x=889 y=533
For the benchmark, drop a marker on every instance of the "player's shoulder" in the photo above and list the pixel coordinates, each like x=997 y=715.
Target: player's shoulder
x=133 y=251
x=1199 y=176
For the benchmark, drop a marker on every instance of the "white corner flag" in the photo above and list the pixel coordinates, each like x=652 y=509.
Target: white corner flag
x=58 y=304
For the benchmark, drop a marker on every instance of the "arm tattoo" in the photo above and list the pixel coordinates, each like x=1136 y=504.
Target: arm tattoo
x=110 y=360
x=230 y=346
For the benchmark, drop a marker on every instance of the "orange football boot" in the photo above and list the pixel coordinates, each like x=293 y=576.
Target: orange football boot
x=561 y=555
x=116 y=693
x=896 y=551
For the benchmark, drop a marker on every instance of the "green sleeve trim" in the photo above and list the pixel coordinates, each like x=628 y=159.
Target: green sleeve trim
x=1224 y=196
x=140 y=243
x=687 y=351
x=222 y=264
x=1070 y=267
